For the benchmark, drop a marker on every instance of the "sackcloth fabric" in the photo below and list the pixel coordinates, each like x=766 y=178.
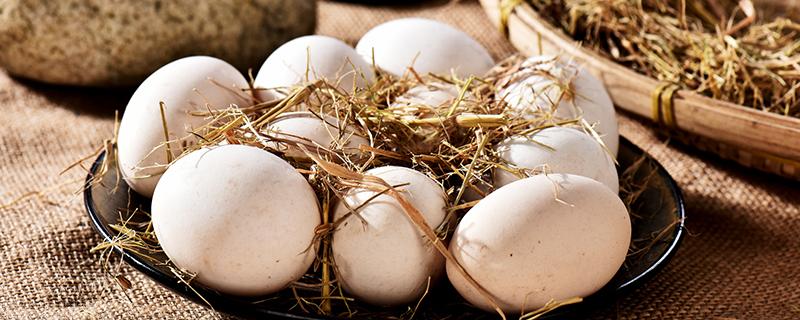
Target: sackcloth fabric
x=741 y=259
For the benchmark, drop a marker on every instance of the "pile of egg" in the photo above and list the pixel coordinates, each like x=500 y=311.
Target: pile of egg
x=243 y=219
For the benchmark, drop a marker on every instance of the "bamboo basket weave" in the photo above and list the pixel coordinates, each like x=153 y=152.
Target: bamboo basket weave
x=753 y=138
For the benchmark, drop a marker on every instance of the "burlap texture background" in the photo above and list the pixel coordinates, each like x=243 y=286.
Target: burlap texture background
x=741 y=259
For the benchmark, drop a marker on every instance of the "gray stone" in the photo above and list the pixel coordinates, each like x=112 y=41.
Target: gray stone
x=117 y=43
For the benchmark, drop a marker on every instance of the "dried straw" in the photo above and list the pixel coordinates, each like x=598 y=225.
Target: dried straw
x=725 y=49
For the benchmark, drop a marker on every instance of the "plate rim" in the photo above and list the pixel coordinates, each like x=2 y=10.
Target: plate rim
x=680 y=208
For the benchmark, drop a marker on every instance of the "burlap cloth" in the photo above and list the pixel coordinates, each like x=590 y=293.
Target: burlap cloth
x=741 y=259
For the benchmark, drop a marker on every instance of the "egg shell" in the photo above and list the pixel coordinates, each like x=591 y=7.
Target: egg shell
x=195 y=83
x=239 y=217
x=430 y=46
x=387 y=261
x=432 y=94
x=562 y=150
x=526 y=248
x=309 y=58
x=308 y=129
x=590 y=101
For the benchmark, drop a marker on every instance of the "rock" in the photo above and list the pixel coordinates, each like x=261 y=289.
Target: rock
x=117 y=43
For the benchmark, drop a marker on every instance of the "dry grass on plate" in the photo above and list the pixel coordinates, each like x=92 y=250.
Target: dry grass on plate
x=450 y=143
x=725 y=49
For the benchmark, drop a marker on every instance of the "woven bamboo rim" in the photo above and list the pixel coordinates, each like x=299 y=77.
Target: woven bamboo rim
x=753 y=138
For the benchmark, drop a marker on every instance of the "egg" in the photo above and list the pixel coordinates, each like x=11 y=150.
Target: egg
x=195 y=83
x=313 y=132
x=543 y=238
x=309 y=58
x=426 y=100
x=589 y=98
x=384 y=259
x=561 y=150
x=435 y=94
x=239 y=217
x=427 y=45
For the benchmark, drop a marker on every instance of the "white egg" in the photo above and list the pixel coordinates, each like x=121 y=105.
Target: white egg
x=239 y=217
x=309 y=58
x=384 y=259
x=539 y=239
x=590 y=100
x=190 y=84
x=309 y=130
x=427 y=45
x=561 y=150
x=435 y=94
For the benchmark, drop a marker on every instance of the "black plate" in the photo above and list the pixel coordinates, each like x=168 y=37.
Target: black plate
x=661 y=203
